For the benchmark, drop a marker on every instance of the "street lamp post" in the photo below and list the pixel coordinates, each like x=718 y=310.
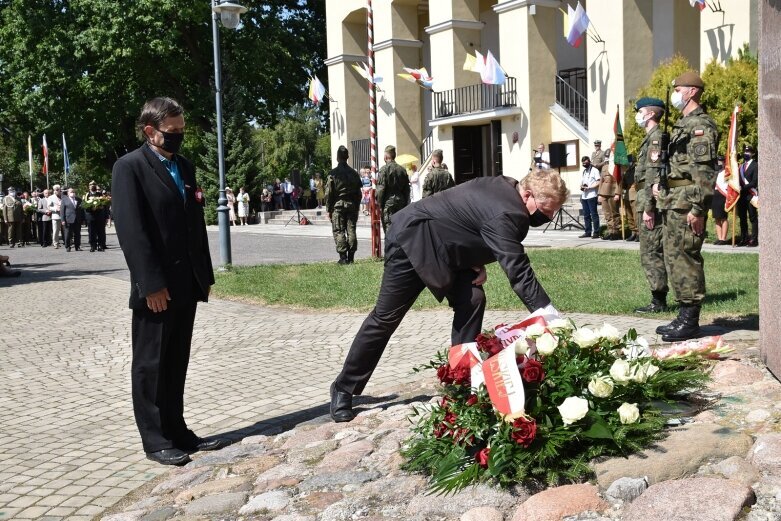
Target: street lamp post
x=229 y=13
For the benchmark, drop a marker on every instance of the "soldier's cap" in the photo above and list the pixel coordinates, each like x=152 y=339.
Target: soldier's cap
x=689 y=79
x=649 y=102
x=748 y=148
x=597 y=142
x=390 y=149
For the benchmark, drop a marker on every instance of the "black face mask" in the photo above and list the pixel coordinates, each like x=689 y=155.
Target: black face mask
x=172 y=141
x=538 y=218
x=747 y=157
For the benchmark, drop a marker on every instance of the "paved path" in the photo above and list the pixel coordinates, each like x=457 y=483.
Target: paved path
x=70 y=447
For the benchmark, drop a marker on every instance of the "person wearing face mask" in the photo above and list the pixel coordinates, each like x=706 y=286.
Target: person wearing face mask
x=747 y=212
x=589 y=182
x=685 y=202
x=158 y=208
x=649 y=114
x=443 y=243
x=72 y=214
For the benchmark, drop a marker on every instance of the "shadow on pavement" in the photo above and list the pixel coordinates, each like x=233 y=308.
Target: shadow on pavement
x=32 y=273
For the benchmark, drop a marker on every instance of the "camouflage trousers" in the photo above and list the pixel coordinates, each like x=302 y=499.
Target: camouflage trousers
x=343 y=223
x=652 y=254
x=682 y=258
x=387 y=211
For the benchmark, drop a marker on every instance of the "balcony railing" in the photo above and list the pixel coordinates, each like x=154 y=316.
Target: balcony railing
x=427 y=147
x=474 y=98
x=570 y=92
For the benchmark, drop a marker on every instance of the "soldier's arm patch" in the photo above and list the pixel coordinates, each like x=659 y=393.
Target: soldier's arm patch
x=699 y=132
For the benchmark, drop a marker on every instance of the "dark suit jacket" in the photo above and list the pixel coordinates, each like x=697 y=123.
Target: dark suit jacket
x=163 y=236
x=470 y=225
x=71 y=214
x=751 y=176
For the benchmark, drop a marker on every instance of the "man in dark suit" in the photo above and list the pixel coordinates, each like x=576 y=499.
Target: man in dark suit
x=158 y=208
x=72 y=215
x=443 y=243
x=747 y=212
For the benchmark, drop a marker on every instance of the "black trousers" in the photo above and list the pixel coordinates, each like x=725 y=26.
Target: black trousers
x=96 y=230
x=747 y=214
x=72 y=233
x=161 y=353
x=400 y=287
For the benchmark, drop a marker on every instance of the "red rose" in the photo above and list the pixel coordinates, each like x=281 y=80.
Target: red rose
x=532 y=371
x=482 y=457
x=471 y=400
x=450 y=418
x=443 y=373
x=440 y=430
x=524 y=431
x=461 y=375
x=488 y=344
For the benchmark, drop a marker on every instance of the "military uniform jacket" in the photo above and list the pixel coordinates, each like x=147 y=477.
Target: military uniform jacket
x=12 y=209
x=607 y=184
x=437 y=180
x=469 y=225
x=693 y=147
x=343 y=189
x=163 y=236
x=598 y=159
x=393 y=186
x=649 y=164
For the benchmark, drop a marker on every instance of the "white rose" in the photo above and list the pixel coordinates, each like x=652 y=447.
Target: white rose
x=628 y=413
x=547 y=344
x=521 y=347
x=637 y=348
x=559 y=324
x=573 y=409
x=608 y=332
x=585 y=337
x=619 y=372
x=535 y=330
x=640 y=373
x=600 y=386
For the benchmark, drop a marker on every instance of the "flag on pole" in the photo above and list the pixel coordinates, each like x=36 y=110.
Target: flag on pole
x=30 y=158
x=363 y=70
x=45 y=169
x=419 y=76
x=65 y=159
x=316 y=94
x=699 y=4
x=474 y=63
x=618 y=154
x=579 y=25
x=492 y=73
x=730 y=181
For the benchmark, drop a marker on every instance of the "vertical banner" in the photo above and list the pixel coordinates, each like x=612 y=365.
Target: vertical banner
x=65 y=159
x=30 y=158
x=46 y=161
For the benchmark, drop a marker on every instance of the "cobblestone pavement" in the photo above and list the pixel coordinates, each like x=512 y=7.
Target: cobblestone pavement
x=70 y=447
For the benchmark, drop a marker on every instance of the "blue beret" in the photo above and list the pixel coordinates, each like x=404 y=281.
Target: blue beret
x=649 y=102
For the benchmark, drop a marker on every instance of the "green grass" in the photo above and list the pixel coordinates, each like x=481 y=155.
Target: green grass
x=608 y=282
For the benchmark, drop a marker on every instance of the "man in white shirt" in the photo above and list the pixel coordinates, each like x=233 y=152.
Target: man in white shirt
x=55 y=203
x=589 y=182
x=287 y=189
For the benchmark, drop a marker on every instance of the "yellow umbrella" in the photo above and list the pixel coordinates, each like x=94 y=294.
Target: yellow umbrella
x=406 y=159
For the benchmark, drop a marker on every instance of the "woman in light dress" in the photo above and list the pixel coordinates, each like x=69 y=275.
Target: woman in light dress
x=320 y=190
x=414 y=181
x=243 y=200
x=231 y=206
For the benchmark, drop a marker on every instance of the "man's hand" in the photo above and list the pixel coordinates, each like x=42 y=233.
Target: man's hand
x=649 y=219
x=481 y=276
x=158 y=301
x=655 y=190
x=697 y=224
x=329 y=216
x=616 y=197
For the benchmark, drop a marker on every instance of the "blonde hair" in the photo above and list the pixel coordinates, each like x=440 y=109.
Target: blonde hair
x=546 y=185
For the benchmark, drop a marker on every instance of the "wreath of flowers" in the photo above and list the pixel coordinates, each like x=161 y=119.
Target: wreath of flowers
x=587 y=394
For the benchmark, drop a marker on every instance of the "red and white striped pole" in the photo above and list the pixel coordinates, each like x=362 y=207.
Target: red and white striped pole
x=375 y=210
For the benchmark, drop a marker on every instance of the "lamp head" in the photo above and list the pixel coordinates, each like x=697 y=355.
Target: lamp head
x=229 y=13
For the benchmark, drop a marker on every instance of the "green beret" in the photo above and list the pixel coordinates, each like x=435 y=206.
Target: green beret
x=649 y=102
x=390 y=149
x=689 y=79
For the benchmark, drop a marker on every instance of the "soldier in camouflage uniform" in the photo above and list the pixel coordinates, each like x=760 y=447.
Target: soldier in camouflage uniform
x=393 y=188
x=438 y=178
x=685 y=202
x=342 y=199
x=649 y=113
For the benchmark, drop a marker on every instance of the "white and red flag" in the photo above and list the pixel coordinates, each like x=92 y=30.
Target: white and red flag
x=579 y=23
x=729 y=183
x=316 y=90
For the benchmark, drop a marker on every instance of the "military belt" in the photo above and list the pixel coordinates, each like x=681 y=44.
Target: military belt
x=676 y=183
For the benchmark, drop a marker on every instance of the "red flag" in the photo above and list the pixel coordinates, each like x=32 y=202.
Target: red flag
x=45 y=157
x=731 y=181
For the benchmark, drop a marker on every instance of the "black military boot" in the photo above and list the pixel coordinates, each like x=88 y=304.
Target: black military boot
x=688 y=325
x=658 y=303
x=342 y=257
x=350 y=257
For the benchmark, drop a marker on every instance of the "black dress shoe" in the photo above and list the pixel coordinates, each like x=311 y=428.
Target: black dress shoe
x=169 y=457
x=205 y=445
x=584 y=236
x=78 y=248
x=67 y=249
x=91 y=250
x=341 y=405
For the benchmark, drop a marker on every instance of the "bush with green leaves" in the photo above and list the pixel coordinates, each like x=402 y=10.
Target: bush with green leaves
x=588 y=394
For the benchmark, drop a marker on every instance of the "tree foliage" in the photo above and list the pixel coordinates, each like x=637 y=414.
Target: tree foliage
x=725 y=86
x=85 y=67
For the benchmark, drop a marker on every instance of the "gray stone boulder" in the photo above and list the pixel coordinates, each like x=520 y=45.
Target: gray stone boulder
x=626 y=490
x=766 y=453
